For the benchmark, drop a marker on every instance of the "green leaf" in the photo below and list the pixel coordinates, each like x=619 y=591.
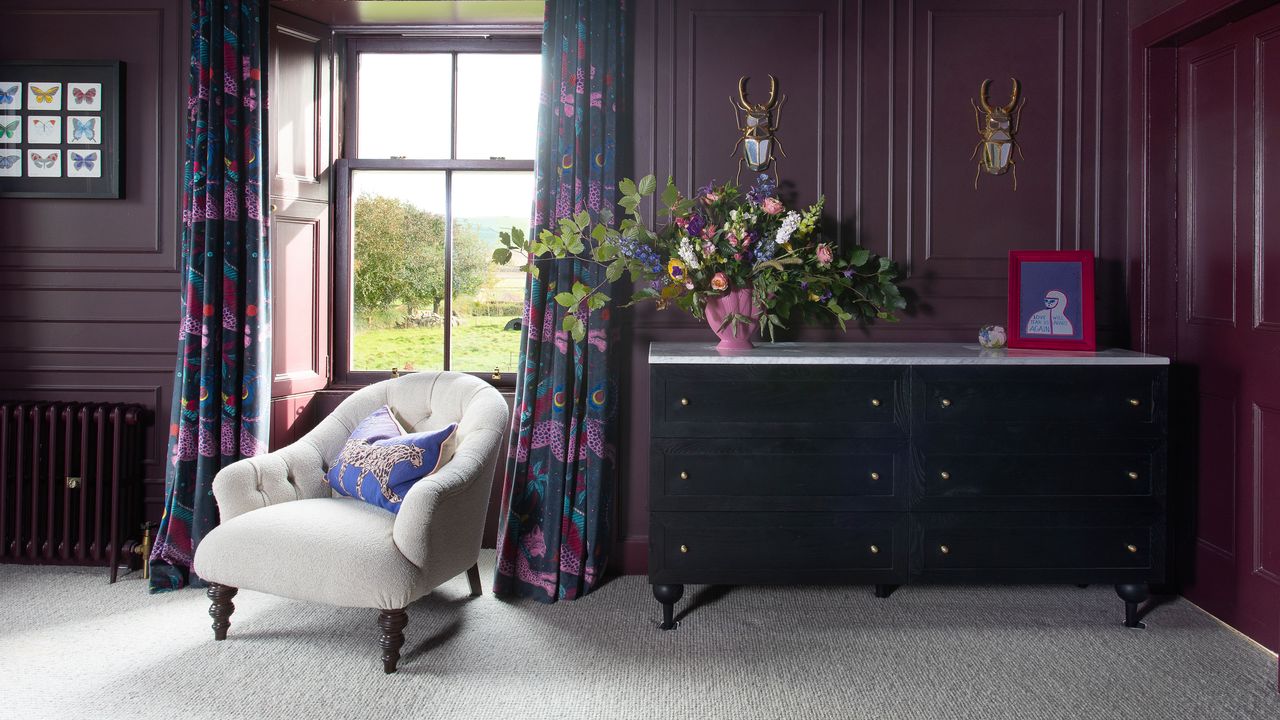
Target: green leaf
x=885 y=264
x=566 y=299
x=648 y=184
x=614 y=271
x=502 y=256
x=670 y=194
x=627 y=186
x=630 y=202
x=859 y=256
x=597 y=300
x=597 y=233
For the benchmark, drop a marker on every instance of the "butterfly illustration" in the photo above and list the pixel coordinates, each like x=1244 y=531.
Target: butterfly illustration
x=84 y=96
x=9 y=129
x=45 y=125
x=44 y=96
x=82 y=129
x=7 y=96
x=84 y=162
x=44 y=161
x=7 y=161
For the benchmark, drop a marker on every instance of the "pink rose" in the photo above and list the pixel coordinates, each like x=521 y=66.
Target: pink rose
x=733 y=240
x=737 y=256
x=771 y=205
x=708 y=232
x=719 y=281
x=710 y=198
x=682 y=222
x=824 y=254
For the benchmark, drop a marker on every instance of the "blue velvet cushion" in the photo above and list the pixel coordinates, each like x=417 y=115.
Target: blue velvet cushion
x=380 y=462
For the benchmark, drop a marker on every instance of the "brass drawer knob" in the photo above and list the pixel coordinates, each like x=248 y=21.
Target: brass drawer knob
x=875 y=476
x=1135 y=402
x=1133 y=475
x=944 y=475
x=875 y=549
x=684 y=401
x=875 y=402
x=73 y=483
x=684 y=548
x=1131 y=548
x=944 y=549
x=946 y=403
x=684 y=475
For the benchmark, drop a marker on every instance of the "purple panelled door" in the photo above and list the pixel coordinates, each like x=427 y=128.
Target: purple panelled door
x=1229 y=314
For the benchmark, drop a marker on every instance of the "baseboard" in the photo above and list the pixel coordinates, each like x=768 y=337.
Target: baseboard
x=632 y=556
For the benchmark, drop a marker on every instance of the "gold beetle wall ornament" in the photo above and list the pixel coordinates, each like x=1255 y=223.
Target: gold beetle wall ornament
x=998 y=127
x=758 y=137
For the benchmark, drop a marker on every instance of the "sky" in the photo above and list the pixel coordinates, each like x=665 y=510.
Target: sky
x=405 y=109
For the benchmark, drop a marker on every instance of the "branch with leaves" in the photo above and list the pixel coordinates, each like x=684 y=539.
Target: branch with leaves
x=717 y=240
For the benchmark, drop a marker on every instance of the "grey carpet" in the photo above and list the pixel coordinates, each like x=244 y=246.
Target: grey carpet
x=72 y=646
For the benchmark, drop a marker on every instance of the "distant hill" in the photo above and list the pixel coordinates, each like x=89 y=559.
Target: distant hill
x=489 y=227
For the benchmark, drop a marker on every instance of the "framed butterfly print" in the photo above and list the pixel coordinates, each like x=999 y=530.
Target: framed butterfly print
x=60 y=129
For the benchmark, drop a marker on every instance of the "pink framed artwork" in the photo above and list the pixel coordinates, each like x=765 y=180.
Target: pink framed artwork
x=1051 y=300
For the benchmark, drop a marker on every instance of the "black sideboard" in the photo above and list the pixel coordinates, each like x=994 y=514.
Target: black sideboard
x=893 y=463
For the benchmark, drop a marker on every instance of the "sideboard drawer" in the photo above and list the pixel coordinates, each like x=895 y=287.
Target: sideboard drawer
x=781 y=474
x=1096 y=477
x=1038 y=547
x=777 y=401
x=777 y=547
x=1090 y=400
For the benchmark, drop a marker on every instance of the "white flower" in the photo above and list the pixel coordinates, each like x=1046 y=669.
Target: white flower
x=789 y=225
x=685 y=251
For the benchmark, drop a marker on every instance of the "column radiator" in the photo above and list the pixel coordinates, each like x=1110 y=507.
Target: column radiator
x=70 y=482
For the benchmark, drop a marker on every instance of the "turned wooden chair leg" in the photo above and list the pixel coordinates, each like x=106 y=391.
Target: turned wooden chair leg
x=221 y=608
x=392 y=622
x=473 y=577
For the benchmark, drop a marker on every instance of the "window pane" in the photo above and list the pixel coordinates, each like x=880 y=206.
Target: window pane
x=404 y=105
x=398 y=285
x=488 y=299
x=498 y=105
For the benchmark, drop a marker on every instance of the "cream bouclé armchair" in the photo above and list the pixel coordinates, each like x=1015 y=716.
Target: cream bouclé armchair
x=285 y=533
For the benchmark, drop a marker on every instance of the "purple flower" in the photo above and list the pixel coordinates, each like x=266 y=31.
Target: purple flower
x=764 y=188
x=804 y=285
x=696 y=223
x=707 y=189
x=848 y=273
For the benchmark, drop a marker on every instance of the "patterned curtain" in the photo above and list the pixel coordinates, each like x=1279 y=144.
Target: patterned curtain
x=557 y=503
x=224 y=343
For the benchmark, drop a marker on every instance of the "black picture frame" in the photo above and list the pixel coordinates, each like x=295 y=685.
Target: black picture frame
x=108 y=75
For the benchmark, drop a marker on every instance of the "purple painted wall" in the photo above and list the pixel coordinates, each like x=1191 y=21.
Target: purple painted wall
x=878 y=120
x=89 y=288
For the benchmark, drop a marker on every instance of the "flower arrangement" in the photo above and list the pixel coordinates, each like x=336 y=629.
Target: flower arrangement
x=716 y=241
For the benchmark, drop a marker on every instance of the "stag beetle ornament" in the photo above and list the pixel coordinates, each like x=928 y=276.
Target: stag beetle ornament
x=998 y=127
x=759 y=136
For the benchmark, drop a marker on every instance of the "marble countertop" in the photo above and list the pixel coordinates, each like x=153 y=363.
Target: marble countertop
x=840 y=353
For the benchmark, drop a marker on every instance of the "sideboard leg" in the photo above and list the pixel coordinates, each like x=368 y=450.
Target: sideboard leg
x=668 y=595
x=884 y=591
x=1133 y=595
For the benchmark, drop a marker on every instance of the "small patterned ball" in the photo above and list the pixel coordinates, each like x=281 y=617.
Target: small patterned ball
x=992 y=337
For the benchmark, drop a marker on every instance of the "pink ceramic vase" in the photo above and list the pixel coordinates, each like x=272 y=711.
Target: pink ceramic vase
x=735 y=301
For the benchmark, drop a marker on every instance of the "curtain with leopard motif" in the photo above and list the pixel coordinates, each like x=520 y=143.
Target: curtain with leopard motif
x=222 y=382
x=555 y=531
